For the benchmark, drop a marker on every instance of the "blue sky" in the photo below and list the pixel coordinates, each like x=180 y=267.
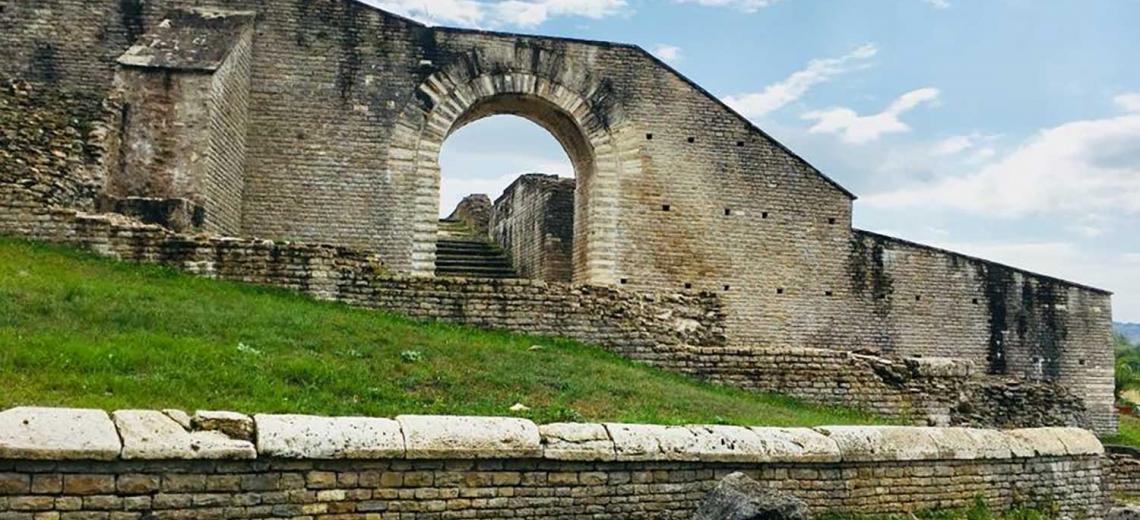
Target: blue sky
x=1007 y=129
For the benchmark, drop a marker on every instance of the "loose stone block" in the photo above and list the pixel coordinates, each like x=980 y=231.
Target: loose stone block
x=310 y=437
x=57 y=434
x=576 y=441
x=234 y=425
x=151 y=435
x=469 y=437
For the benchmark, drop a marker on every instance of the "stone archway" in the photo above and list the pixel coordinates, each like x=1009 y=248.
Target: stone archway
x=450 y=99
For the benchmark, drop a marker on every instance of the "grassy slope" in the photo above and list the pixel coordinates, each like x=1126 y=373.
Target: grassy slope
x=87 y=332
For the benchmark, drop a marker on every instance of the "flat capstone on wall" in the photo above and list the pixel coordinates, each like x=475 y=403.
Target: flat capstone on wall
x=168 y=464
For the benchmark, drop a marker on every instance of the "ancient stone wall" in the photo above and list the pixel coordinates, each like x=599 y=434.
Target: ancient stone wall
x=349 y=107
x=678 y=332
x=142 y=464
x=1122 y=471
x=534 y=222
x=913 y=300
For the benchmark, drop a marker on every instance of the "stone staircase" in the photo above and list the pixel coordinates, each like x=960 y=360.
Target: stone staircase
x=461 y=253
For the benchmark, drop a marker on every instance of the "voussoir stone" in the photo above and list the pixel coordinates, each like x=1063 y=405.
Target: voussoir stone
x=153 y=435
x=429 y=437
x=57 y=434
x=310 y=437
x=576 y=442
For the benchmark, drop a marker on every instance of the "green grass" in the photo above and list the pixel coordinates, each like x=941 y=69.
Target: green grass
x=1128 y=433
x=87 y=332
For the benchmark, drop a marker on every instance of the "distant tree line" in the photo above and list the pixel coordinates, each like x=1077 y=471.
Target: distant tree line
x=1127 y=365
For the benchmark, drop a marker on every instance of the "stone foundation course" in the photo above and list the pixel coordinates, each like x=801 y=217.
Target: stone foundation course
x=64 y=463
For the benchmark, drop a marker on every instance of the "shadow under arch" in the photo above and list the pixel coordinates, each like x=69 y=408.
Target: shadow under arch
x=590 y=141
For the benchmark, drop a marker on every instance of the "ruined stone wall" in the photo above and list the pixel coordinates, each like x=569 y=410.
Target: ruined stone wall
x=534 y=222
x=1122 y=471
x=229 y=120
x=912 y=300
x=349 y=107
x=153 y=464
x=678 y=332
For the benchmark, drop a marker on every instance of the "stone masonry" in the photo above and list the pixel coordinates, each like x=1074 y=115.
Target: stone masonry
x=322 y=121
x=534 y=221
x=136 y=464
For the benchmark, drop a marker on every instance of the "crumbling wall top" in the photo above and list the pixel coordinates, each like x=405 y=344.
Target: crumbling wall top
x=194 y=39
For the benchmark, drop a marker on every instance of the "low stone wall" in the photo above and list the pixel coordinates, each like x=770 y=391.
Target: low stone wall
x=930 y=391
x=149 y=464
x=1123 y=470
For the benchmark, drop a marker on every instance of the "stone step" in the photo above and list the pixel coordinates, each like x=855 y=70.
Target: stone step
x=460 y=263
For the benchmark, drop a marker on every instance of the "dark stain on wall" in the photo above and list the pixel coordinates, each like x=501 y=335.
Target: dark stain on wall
x=44 y=68
x=131 y=16
x=348 y=68
x=998 y=286
x=1051 y=329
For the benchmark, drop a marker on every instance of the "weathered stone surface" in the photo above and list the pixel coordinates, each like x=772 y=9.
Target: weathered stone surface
x=651 y=442
x=797 y=444
x=1044 y=442
x=738 y=497
x=309 y=437
x=1078 y=441
x=57 y=434
x=878 y=443
x=152 y=435
x=576 y=441
x=428 y=436
x=234 y=425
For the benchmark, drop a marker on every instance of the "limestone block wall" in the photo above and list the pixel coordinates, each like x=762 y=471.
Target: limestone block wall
x=533 y=221
x=1123 y=471
x=139 y=464
x=914 y=300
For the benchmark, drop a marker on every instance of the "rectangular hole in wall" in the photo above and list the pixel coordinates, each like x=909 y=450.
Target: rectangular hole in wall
x=918 y=297
x=880 y=296
x=727 y=212
x=831 y=220
x=780 y=290
x=727 y=288
x=624 y=281
x=666 y=207
x=975 y=301
x=1081 y=362
x=688 y=285
x=828 y=293
x=740 y=144
x=764 y=215
x=692 y=139
x=648 y=137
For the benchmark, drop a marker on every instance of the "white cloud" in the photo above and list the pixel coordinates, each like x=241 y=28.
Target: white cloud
x=748 y=6
x=1068 y=261
x=1077 y=168
x=938 y=4
x=861 y=129
x=780 y=94
x=670 y=53
x=1129 y=102
x=494 y=13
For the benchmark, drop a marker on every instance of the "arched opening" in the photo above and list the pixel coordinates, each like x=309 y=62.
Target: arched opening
x=509 y=199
